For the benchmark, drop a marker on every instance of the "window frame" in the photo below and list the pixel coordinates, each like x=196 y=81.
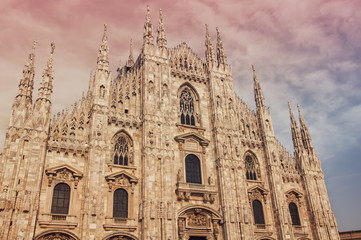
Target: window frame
x=68 y=198
x=120 y=210
x=199 y=172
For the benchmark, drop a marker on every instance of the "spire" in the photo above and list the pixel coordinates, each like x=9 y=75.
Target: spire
x=103 y=54
x=130 y=61
x=296 y=138
x=27 y=82
x=258 y=94
x=209 y=49
x=161 y=38
x=46 y=85
x=148 y=32
x=221 y=58
x=306 y=137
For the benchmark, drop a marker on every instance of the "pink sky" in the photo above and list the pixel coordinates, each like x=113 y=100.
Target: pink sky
x=308 y=52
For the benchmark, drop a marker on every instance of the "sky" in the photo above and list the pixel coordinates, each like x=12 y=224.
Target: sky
x=307 y=52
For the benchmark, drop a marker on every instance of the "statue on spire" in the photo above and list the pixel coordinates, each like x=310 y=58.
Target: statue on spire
x=221 y=58
x=130 y=61
x=306 y=137
x=258 y=94
x=103 y=54
x=46 y=85
x=148 y=34
x=161 y=38
x=209 y=49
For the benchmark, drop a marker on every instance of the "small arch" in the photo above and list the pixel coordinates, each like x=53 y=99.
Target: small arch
x=120 y=203
x=183 y=210
x=59 y=233
x=117 y=234
x=193 y=169
x=61 y=199
x=258 y=212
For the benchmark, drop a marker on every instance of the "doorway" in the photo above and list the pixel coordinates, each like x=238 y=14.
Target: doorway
x=197 y=238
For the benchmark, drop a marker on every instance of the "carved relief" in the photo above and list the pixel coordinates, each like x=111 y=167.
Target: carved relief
x=63 y=173
x=56 y=236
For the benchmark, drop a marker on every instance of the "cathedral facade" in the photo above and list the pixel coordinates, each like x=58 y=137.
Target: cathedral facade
x=164 y=150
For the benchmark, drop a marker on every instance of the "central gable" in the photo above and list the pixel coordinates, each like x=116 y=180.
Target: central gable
x=183 y=58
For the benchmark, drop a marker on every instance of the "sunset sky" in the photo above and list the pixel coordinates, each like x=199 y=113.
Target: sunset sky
x=307 y=52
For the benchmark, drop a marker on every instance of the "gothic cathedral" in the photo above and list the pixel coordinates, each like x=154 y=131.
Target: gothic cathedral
x=164 y=150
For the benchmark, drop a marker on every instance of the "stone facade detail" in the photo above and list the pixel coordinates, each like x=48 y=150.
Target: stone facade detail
x=163 y=150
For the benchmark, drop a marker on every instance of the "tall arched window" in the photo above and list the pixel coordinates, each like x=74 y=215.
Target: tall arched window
x=61 y=197
x=122 y=150
x=120 y=203
x=193 y=169
x=258 y=212
x=187 y=108
x=250 y=168
x=295 y=217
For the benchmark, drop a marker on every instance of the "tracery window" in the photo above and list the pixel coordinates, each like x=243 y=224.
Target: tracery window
x=193 y=169
x=121 y=151
x=61 y=197
x=295 y=217
x=258 y=212
x=187 y=108
x=250 y=168
x=120 y=203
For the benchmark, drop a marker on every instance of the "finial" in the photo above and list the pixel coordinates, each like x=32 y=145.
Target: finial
x=298 y=107
x=253 y=68
x=105 y=32
x=160 y=16
x=148 y=14
x=34 y=45
x=289 y=106
x=52 y=48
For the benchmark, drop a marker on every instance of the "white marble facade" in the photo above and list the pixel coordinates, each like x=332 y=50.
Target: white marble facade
x=163 y=150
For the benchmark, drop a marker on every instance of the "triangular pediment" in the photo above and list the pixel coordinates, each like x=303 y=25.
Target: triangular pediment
x=121 y=173
x=295 y=192
x=192 y=136
x=55 y=170
x=258 y=188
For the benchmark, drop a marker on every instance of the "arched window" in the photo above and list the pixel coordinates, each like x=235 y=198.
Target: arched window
x=187 y=108
x=122 y=153
x=120 y=203
x=295 y=217
x=61 y=197
x=250 y=168
x=193 y=169
x=258 y=212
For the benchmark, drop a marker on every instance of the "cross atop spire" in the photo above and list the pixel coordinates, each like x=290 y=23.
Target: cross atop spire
x=209 y=49
x=103 y=54
x=161 y=38
x=221 y=58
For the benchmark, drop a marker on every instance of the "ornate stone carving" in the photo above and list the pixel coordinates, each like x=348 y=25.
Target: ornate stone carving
x=63 y=173
x=56 y=236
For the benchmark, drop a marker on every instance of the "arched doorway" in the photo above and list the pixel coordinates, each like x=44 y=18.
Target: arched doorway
x=198 y=223
x=120 y=236
x=61 y=235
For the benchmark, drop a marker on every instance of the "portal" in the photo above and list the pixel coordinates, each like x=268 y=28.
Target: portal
x=197 y=238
